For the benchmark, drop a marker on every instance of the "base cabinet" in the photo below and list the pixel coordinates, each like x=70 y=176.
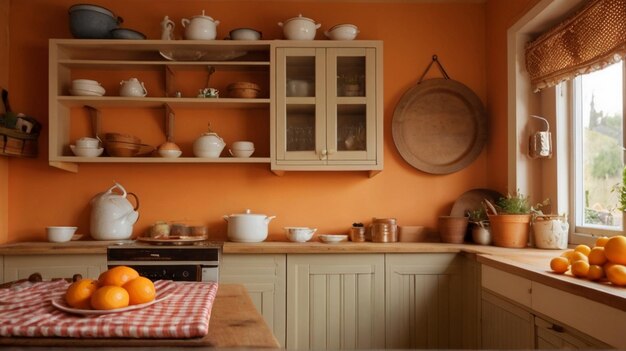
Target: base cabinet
x=264 y=278
x=550 y=335
x=505 y=325
x=54 y=266
x=336 y=301
x=424 y=301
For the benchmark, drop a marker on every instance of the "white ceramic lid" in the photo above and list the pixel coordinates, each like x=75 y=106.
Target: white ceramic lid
x=247 y=213
x=300 y=18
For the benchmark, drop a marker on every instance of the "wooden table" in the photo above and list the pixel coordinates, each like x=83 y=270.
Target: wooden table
x=235 y=322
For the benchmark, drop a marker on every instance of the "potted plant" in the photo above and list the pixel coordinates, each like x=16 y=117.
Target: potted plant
x=620 y=189
x=510 y=220
x=480 y=228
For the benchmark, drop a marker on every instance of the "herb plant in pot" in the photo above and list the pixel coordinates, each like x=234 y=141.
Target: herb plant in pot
x=480 y=227
x=510 y=220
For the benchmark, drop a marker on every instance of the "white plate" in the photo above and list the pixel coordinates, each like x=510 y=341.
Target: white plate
x=333 y=238
x=63 y=306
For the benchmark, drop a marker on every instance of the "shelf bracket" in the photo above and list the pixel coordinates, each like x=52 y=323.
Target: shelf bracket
x=169 y=123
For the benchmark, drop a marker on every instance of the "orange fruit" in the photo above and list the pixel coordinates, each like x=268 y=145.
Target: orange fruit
x=596 y=256
x=559 y=264
x=580 y=268
x=117 y=276
x=601 y=241
x=109 y=297
x=79 y=293
x=615 y=249
x=578 y=256
x=140 y=290
x=584 y=249
x=616 y=273
x=595 y=272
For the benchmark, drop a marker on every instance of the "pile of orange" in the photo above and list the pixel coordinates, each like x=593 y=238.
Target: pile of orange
x=605 y=261
x=118 y=287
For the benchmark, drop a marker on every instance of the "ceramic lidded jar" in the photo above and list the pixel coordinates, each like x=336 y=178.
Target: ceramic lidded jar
x=299 y=28
x=200 y=27
x=208 y=145
x=132 y=88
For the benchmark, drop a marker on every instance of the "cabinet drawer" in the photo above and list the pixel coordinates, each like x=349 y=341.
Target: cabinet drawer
x=590 y=317
x=506 y=284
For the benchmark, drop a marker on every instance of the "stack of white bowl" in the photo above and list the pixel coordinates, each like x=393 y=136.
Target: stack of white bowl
x=87 y=147
x=86 y=87
x=241 y=149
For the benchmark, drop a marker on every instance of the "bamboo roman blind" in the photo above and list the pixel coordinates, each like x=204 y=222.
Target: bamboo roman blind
x=591 y=39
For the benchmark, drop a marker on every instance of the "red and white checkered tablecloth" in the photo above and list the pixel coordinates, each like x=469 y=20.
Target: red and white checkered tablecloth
x=26 y=310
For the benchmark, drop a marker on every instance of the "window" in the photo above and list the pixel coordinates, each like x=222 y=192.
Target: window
x=597 y=150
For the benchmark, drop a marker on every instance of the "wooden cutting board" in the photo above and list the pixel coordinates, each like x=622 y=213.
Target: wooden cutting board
x=439 y=126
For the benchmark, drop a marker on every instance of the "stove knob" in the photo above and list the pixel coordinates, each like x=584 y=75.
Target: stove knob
x=185 y=274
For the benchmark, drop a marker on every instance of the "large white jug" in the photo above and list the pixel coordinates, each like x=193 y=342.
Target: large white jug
x=112 y=215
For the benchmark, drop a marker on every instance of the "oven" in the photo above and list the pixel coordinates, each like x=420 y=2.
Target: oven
x=196 y=262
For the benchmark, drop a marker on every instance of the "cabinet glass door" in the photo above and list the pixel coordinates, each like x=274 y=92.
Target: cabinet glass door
x=300 y=101
x=351 y=104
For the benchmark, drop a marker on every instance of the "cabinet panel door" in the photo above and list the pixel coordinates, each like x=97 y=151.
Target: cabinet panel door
x=351 y=108
x=264 y=278
x=54 y=266
x=505 y=325
x=554 y=336
x=335 y=301
x=424 y=301
x=300 y=101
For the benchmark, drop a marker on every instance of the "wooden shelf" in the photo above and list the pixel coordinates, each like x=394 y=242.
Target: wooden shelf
x=159 y=102
x=156 y=159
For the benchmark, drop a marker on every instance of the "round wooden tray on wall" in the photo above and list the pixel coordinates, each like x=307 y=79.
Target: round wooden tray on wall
x=439 y=126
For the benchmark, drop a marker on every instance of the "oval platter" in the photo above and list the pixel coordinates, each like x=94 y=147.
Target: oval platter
x=439 y=126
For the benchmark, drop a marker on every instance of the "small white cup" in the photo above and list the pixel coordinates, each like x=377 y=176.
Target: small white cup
x=242 y=145
x=241 y=153
x=60 y=234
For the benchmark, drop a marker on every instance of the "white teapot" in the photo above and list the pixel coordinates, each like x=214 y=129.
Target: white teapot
x=200 y=27
x=208 y=145
x=112 y=215
x=132 y=88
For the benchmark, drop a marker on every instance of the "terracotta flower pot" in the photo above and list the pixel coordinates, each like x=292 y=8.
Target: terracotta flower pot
x=452 y=229
x=510 y=230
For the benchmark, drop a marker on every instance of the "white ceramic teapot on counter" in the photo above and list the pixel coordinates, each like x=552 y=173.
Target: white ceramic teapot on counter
x=208 y=145
x=112 y=215
x=200 y=27
x=132 y=88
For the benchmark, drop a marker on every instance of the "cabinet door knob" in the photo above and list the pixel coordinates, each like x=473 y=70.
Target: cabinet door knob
x=323 y=154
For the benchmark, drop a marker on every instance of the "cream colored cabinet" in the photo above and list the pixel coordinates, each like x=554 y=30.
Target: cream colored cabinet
x=264 y=276
x=424 y=301
x=328 y=107
x=335 y=301
x=549 y=335
x=54 y=266
x=173 y=73
x=505 y=325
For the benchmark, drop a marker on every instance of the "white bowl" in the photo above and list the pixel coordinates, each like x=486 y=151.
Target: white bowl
x=86 y=142
x=170 y=153
x=85 y=81
x=89 y=87
x=242 y=145
x=333 y=238
x=299 y=234
x=344 y=31
x=60 y=234
x=245 y=34
x=241 y=153
x=82 y=92
x=86 y=151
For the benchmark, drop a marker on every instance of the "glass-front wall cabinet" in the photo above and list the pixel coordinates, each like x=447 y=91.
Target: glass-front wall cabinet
x=326 y=107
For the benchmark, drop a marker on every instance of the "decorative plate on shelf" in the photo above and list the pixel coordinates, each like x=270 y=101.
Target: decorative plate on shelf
x=60 y=304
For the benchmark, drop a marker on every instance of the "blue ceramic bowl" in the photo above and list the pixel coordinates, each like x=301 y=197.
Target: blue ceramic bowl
x=125 y=33
x=92 y=21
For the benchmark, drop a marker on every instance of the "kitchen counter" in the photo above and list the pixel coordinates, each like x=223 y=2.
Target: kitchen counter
x=530 y=263
x=234 y=322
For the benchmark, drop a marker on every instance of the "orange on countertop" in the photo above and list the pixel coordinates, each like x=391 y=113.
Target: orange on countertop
x=615 y=249
x=79 y=293
x=117 y=276
x=109 y=297
x=140 y=290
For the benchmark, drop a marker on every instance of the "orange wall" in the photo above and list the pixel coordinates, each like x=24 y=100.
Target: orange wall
x=40 y=195
x=4 y=82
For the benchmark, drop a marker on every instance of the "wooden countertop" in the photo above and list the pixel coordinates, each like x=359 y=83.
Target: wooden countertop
x=235 y=322
x=530 y=263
